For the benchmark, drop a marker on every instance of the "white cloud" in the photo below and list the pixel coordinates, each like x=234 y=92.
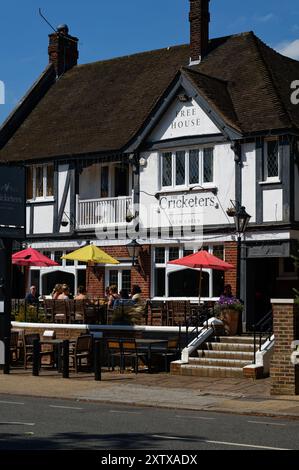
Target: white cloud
x=289 y=48
x=266 y=18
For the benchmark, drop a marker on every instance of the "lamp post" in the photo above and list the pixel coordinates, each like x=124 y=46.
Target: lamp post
x=241 y=222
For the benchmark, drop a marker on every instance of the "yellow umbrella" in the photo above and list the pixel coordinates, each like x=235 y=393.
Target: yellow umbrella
x=91 y=254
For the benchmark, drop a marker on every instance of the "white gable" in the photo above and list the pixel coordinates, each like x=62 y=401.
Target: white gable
x=183 y=119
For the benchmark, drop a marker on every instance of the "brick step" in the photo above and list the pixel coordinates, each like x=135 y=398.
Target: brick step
x=228 y=347
x=211 y=371
x=236 y=355
x=218 y=362
x=234 y=339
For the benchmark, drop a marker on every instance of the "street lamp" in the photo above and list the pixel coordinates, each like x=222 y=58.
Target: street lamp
x=134 y=249
x=241 y=222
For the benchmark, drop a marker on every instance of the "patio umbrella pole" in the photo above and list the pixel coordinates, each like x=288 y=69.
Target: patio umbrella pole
x=199 y=292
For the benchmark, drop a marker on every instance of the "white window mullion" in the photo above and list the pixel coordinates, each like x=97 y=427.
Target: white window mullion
x=187 y=179
x=44 y=180
x=173 y=183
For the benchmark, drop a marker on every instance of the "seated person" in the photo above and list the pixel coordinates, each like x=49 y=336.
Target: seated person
x=32 y=296
x=65 y=295
x=113 y=296
x=56 y=291
x=81 y=294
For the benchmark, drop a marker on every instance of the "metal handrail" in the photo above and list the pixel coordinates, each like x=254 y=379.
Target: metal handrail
x=264 y=326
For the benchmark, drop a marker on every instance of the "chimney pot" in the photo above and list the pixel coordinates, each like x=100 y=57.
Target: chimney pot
x=199 y=18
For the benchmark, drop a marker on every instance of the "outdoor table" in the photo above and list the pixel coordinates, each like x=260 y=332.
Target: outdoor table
x=147 y=343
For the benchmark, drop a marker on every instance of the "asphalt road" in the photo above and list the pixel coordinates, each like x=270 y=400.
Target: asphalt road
x=47 y=424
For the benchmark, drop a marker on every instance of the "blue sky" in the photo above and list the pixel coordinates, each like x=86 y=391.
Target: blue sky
x=109 y=28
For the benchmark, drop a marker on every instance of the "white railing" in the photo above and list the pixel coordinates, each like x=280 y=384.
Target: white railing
x=107 y=211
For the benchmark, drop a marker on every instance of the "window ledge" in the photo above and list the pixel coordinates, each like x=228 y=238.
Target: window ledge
x=271 y=181
x=40 y=200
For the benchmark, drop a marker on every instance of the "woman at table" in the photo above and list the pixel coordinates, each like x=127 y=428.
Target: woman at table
x=113 y=296
x=65 y=295
x=56 y=291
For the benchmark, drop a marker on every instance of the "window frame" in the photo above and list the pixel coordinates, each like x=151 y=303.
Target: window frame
x=266 y=178
x=164 y=265
x=187 y=184
x=34 y=170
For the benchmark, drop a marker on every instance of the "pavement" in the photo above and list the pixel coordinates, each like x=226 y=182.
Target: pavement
x=228 y=395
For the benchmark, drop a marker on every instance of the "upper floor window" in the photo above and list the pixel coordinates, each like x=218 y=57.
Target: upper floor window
x=40 y=179
x=187 y=167
x=272 y=159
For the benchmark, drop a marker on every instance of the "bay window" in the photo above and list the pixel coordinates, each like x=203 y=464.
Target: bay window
x=187 y=167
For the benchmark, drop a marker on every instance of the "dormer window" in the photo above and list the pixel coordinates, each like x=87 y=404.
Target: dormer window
x=40 y=179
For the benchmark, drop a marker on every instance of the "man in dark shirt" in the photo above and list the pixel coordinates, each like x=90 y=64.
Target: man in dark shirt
x=32 y=297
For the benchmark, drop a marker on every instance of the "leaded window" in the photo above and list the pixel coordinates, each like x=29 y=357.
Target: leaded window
x=208 y=165
x=272 y=164
x=180 y=168
x=194 y=166
x=167 y=169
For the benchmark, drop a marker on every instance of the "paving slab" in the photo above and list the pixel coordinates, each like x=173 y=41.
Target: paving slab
x=230 y=395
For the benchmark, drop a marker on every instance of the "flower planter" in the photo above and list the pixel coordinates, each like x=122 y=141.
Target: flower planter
x=230 y=318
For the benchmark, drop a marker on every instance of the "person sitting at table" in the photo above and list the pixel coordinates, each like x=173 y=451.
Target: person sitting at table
x=65 y=295
x=56 y=291
x=32 y=297
x=81 y=293
x=136 y=295
x=113 y=296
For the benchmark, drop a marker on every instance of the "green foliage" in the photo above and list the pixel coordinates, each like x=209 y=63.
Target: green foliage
x=31 y=314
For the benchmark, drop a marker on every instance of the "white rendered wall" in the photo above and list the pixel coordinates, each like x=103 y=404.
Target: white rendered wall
x=249 y=179
x=272 y=205
x=183 y=119
x=152 y=215
x=43 y=219
x=62 y=176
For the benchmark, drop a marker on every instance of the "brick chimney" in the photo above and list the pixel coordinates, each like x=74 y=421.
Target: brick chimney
x=199 y=18
x=63 y=50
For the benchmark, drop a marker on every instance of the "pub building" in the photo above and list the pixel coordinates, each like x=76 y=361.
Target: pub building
x=156 y=147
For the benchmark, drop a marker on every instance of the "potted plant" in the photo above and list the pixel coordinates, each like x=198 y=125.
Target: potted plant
x=229 y=311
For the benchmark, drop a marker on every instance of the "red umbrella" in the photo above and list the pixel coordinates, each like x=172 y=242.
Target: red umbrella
x=202 y=259
x=31 y=257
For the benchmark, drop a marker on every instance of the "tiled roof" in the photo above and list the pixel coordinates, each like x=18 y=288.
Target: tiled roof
x=99 y=107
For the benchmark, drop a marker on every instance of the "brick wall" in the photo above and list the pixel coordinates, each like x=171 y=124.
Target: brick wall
x=284 y=375
x=230 y=256
x=95 y=276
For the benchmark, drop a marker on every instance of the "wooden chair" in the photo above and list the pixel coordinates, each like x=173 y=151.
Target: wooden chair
x=170 y=350
x=49 y=309
x=157 y=313
x=129 y=350
x=45 y=352
x=61 y=311
x=113 y=346
x=179 y=312
x=14 y=346
x=82 y=351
